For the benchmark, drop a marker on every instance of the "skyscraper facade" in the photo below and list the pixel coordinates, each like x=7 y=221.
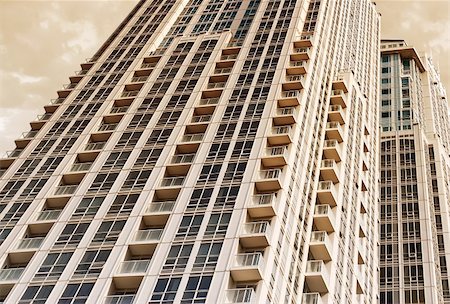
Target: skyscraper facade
x=415 y=179
x=212 y=151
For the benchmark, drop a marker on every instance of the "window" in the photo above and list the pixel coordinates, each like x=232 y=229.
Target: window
x=108 y=232
x=71 y=235
x=88 y=207
x=165 y=291
x=207 y=256
x=218 y=225
x=177 y=258
x=76 y=293
x=92 y=263
x=189 y=226
x=196 y=289
x=36 y=294
x=53 y=266
x=123 y=204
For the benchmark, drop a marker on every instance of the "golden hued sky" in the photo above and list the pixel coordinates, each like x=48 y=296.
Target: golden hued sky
x=43 y=42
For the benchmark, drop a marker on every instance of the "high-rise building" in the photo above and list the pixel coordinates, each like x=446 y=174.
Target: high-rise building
x=218 y=151
x=415 y=179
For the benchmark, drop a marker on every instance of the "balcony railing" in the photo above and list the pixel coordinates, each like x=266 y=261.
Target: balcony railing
x=159 y=207
x=57 y=100
x=201 y=118
x=107 y=127
x=263 y=199
x=229 y=57
x=223 y=71
x=277 y=151
x=138 y=266
x=175 y=181
x=239 y=295
x=139 y=79
x=209 y=101
x=216 y=85
x=299 y=63
x=326 y=185
x=29 y=134
x=311 y=298
x=10 y=274
x=281 y=130
x=291 y=93
x=122 y=299
x=262 y=227
x=130 y=93
x=270 y=173
x=192 y=137
x=30 y=243
x=249 y=260
x=94 y=146
x=64 y=190
x=79 y=167
x=148 y=235
x=48 y=215
x=182 y=159
x=118 y=109
x=337 y=92
x=291 y=78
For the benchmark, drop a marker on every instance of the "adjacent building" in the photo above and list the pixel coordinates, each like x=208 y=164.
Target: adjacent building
x=415 y=179
x=212 y=151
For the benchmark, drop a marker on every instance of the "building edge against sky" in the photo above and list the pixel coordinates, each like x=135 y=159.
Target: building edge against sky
x=210 y=151
x=415 y=179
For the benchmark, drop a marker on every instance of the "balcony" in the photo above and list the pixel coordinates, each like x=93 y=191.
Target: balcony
x=301 y=53
x=10 y=275
x=157 y=213
x=262 y=205
x=148 y=236
x=324 y=219
x=284 y=116
x=269 y=180
x=334 y=131
x=120 y=299
x=311 y=298
x=338 y=97
x=329 y=170
x=247 y=267
x=317 y=277
x=336 y=113
x=48 y=215
x=189 y=143
x=275 y=156
x=293 y=82
x=305 y=41
x=361 y=249
x=281 y=135
x=66 y=190
x=339 y=83
x=297 y=67
x=64 y=92
x=255 y=234
x=327 y=193
x=320 y=246
x=332 y=150
x=239 y=295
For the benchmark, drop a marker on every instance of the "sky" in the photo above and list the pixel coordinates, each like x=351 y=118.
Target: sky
x=43 y=42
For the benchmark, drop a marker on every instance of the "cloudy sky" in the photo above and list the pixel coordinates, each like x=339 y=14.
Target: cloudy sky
x=43 y=42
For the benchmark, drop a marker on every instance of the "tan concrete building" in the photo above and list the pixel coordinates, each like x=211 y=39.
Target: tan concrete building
x=415 y=179
x=212 y=151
